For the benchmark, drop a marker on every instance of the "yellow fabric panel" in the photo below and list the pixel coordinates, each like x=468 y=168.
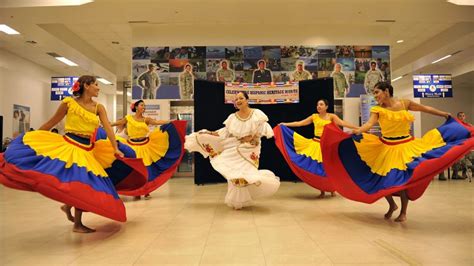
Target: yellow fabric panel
x=382 y=158
x=307 y=147
x=154 y=150
x=78 y=119
x=54 y=146
x=394 y=123
x=104 y=153
x=319 y=125
x=136 y=129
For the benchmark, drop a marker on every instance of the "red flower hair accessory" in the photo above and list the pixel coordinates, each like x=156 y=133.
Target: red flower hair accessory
x=76 y=86
x=132 y=106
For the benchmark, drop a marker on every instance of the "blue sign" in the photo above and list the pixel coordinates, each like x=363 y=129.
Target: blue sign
x=61 y=87
x=432 y=86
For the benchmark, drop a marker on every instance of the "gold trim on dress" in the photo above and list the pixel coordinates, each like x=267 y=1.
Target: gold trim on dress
x=246 y=119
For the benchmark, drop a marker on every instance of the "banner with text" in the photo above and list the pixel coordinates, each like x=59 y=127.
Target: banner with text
x=272 y=93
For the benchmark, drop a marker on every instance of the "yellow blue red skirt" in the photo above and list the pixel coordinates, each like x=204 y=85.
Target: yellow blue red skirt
x=366 y=167
x=161 y=153
x=69 y=169
x=303 y=156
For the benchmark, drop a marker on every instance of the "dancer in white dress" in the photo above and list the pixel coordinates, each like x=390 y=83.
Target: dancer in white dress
x=234 y=152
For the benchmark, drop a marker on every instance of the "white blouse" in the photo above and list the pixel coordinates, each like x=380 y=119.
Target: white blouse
x=255 y=125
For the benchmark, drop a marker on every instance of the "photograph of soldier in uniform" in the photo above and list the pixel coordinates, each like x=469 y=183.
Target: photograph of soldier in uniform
x=341 y=86
x=300 y=72
x=372 y=77
x=224 y=73
x=149 y=81
x=186 y=83
x=262 y=74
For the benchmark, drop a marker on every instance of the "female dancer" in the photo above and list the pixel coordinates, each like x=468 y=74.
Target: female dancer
x=68 y=168
x=304 y=155
x=161 y=149
x=234 y=152
x=367 y=167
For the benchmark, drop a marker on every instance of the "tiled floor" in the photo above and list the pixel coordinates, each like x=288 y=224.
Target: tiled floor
x=190 y=225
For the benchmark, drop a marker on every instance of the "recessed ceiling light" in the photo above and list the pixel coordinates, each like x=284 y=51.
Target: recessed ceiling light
x=462 y=2
x=397 y=78
x=400 y=41
x=66 y=61
x=441 y=59
x=6 y=29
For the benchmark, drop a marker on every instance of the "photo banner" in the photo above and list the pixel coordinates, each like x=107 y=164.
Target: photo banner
x=169 y=72
x=271 y=93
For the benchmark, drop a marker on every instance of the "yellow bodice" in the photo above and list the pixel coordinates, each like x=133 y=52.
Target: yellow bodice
x=319 y=124
x=136 y=129
x=79 y=120
x=393 y=123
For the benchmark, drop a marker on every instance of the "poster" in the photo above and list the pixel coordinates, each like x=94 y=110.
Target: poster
x=432 y=86
x=21 y=119
x=366 y=103
x=186 y=113
x=61 y=87
x=157 y=109
x=169 y=72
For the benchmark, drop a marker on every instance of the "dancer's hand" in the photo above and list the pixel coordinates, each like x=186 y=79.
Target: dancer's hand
x=283 y=124
x=357 y=131
x=119 y=153
x=447 y=115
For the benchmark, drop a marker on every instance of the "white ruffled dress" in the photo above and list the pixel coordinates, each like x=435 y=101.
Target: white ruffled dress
x=235 y=159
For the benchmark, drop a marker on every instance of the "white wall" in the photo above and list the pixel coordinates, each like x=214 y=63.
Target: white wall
x=26 y=83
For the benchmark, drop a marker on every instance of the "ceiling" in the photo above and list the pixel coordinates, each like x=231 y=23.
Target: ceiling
x=99 y=35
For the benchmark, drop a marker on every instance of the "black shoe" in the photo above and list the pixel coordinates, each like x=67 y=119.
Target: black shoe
x=442 y=178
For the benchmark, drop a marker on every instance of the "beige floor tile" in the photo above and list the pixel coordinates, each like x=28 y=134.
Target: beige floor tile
x=184 y=224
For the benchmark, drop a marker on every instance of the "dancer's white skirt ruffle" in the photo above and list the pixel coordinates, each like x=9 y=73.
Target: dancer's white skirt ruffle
x=235 y=160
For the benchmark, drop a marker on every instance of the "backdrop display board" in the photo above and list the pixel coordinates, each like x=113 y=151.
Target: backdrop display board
x=61 y=87
x=210 y=111
x=167 y=72
x=432 y=86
